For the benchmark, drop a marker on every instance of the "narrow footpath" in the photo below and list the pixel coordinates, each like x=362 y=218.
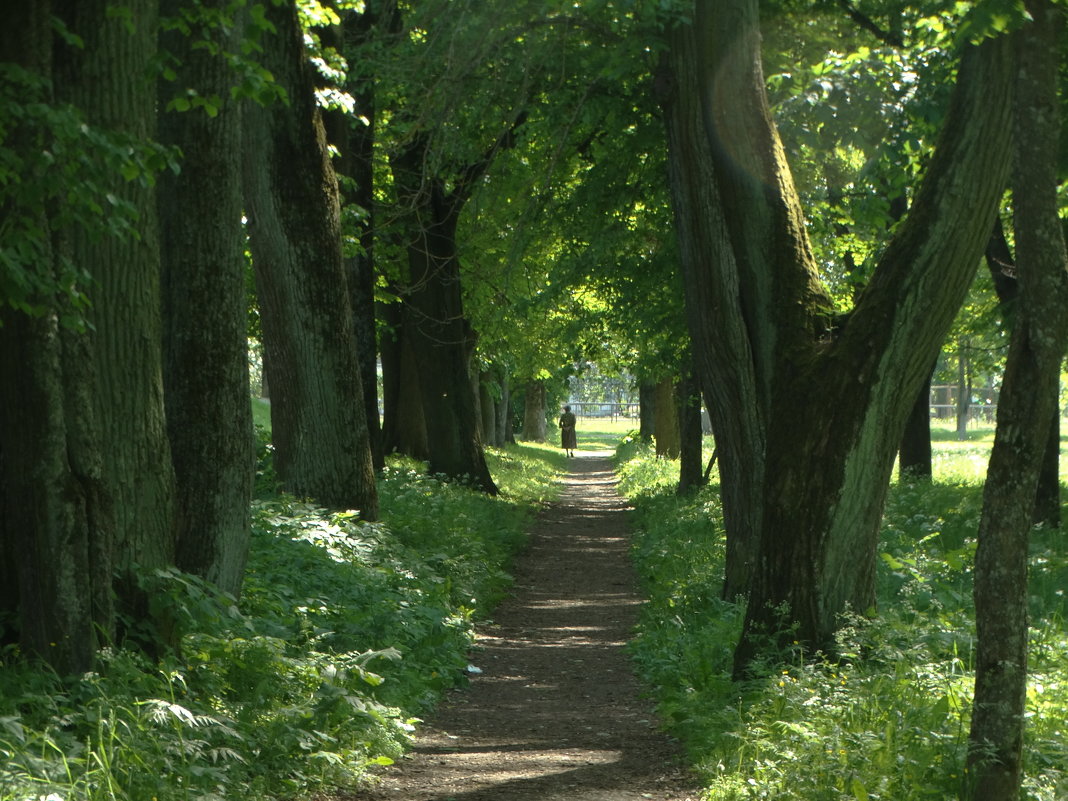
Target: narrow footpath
x=556 y=713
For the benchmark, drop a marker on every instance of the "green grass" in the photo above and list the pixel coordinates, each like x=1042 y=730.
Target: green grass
x=889 y=720
x=346 y=631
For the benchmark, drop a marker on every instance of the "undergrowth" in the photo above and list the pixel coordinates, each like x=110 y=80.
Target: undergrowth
x=889 y=718
x=345 y=632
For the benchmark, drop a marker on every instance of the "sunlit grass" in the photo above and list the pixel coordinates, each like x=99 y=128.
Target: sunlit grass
x=889 y=719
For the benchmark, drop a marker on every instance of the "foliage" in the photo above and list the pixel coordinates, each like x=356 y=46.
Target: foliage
x=345 y=632
x=887 y=717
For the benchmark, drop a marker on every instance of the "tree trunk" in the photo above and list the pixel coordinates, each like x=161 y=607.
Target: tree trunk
x=441 y=336
x=505 y=434
x=666 y=434
x=206 y=379
x=1025 y=409
x=914 y=455
x=106 y=79
x=808 y=414
x=1002 y=266
x=691 y=437
x=646 y=411
x=322 y=446
x=534 y=412
x=353 y=134
x=964 y=391
x=488 y=408
x=55 y=521
x=403 y=426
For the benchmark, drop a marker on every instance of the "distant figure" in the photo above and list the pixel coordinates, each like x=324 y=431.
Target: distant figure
x=568 y=439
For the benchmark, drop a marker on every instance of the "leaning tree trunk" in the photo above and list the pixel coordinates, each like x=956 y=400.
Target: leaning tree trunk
x=322 y=445
x=206 y=379
x=1025 y=408
x=808 y=416
x=106 y=79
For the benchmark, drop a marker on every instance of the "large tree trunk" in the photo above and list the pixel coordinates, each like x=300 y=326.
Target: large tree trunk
x=106 y=79
x=206 y=380
x=534 y=412
x=1025 y=410
x=55 y=525
x=322 y=445
x=808 y=417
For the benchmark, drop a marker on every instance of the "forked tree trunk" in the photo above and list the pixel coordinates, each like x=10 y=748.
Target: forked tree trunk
x=322 y=447
x=1025 y=410
x=807 y=417
x=206 y=379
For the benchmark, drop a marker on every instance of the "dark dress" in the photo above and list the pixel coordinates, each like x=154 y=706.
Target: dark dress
x=568 y=438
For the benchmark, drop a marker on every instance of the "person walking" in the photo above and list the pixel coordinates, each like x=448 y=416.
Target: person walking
x=568 y=438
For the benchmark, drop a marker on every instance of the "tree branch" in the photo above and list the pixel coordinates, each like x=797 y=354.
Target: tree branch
x=866 y=22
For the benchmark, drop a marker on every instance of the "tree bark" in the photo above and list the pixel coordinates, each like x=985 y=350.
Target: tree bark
x=1025 y=408
x=55 y=521
x=206 y=378
x=322 y=445
x=106 y=79
x=534 y=412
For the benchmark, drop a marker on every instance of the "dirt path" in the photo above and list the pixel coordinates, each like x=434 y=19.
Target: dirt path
x=555 y=714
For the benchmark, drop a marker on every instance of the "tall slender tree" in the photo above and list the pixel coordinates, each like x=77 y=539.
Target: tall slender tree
x=1025 y=408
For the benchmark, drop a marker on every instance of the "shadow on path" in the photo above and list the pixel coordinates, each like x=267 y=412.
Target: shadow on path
x=555 y=714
